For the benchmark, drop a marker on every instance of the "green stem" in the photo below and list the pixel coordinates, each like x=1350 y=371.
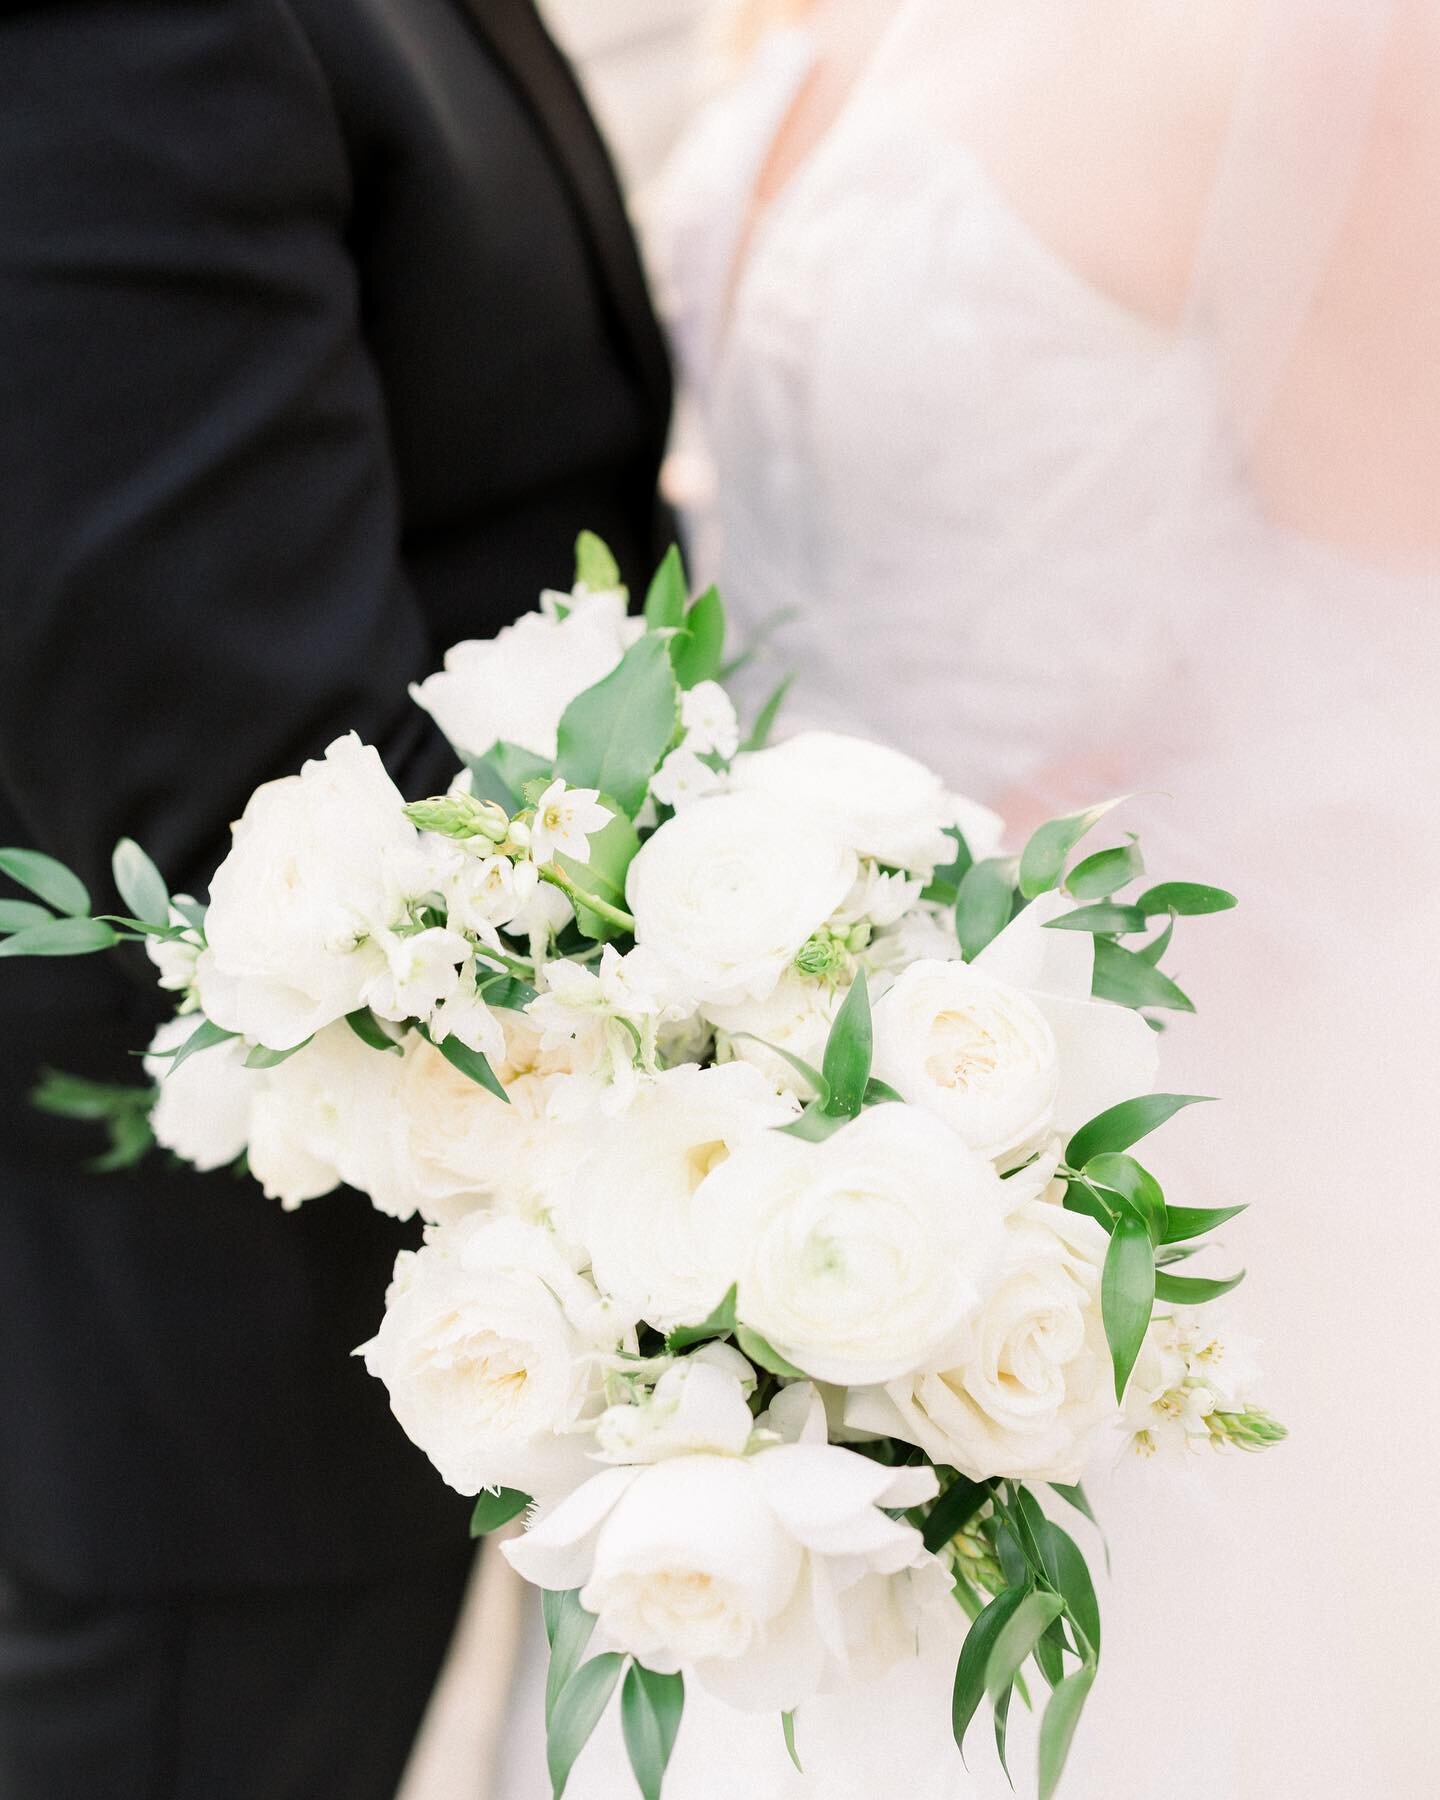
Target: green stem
x=613 y=915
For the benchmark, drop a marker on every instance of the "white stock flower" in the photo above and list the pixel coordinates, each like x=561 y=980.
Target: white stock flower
x=637 y=1204
x=883 y=804
x=464 y=1015
x=756 y=1573
x=682 y=779
x=320 y=864
x=859 y=1259
x=707 y=715
x=515 y=686
x=1010 y=1048
x=1030 y=1386
x=699 y=1403
x=727 y=892
x=795 y=1016
x=203 y=1109
x=877 y=898
x=566 y=819
x=609 y=1018
x=491 y=1348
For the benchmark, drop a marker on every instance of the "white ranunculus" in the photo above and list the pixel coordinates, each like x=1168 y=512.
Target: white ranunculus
x=203 y=1109
x=320 y=863
x=638 y=1196
x=796 y=1016
x=514 y=687
x=1031 y=1387
x=861 y=1258
x=883 y=804
x=699 y=1403
x=728 y=891
x=491 y=1349
x=752 y=1572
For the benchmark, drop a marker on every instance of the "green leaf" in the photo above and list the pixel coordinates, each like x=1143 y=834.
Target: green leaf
x=848 y=1051
x=815 y=1124
x=1185 y=897
x=205 y=1036
x=880 y=1093
x=473 y=1063
x=1068 y=1571
x=77 y=1097
x=487 y=783
x=595 y=567
x=613 y=736
x=577 y=1712
x=765 y=719
x=370 y=1031
x=492 y=1510
x=1156 y=948
x=1057 y=1729
x=944 y=888
x=51 y=881
x=612 y=850
x=20 y=915
x=258 y=1057
x=1074 y=1495
x=1017 y=1638
x=721 y=1323
x=764 y=1355
x=552 y=1606
x=1135 y=1185
x=1127 y=1295
x=1042 y=862
x=807 y=1071
x=665 y=601
x=787 y=1725
x=140 y=884
x=60 y=937
x=130 y=1139
x=1106 y=872
x=985 y=903
x=1194 y=1221
x=1118 y=1127
x=1104 y=917
x=650 y=1710
x=568 y=1627
x=1127 y=978
x=1193 y=1290
x=975 y=1654
x=955 y=1508
x=700 y=649
x=507 y=992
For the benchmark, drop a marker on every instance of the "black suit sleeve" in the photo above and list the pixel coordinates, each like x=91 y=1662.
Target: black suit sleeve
x=199 y=574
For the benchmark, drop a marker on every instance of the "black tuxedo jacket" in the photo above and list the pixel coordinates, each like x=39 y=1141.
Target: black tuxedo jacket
x=321 y=333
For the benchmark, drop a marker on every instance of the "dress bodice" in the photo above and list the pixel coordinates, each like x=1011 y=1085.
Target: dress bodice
x=904 y=391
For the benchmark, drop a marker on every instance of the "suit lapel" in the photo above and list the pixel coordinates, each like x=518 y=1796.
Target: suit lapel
x=513 y=31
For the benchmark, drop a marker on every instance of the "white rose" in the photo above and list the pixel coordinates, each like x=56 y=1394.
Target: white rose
x=881 y=803
x=515 y=686
x=491 y=1348
x=754 y=1572
x=796 y=1016
x=728 y=891
x=859 y=1259
x=202 y=1112
x=319 y=864
x=327 y=1116
x=1030 y=1387
x=1012 y=1047
x=637 y=1201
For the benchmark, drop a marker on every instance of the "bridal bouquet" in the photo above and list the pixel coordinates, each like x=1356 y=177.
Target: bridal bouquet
x=786 y=1258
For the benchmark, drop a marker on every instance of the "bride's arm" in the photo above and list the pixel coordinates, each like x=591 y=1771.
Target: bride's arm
x=198 y=557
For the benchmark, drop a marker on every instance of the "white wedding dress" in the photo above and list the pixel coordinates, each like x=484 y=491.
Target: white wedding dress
x=1013 y=525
